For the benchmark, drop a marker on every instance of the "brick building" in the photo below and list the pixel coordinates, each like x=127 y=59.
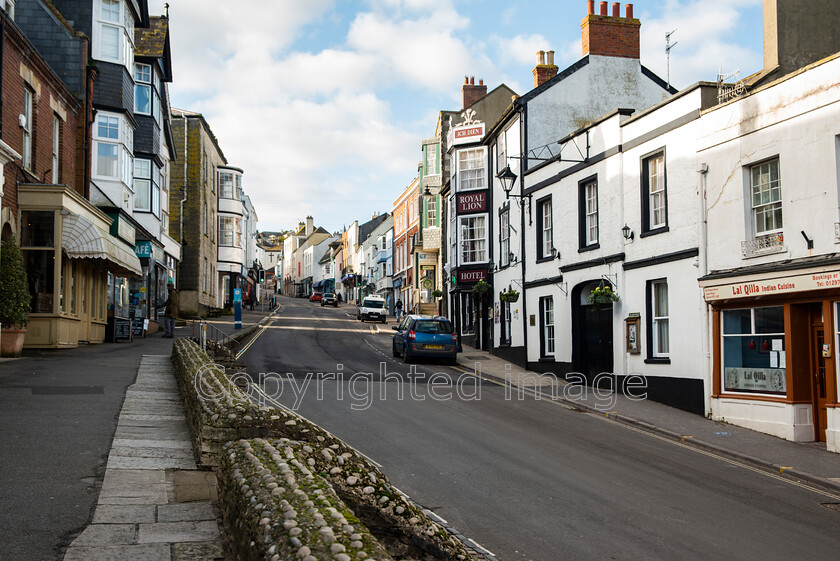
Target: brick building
x=193 y=215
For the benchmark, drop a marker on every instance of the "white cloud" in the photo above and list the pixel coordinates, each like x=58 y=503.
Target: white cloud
x=521 y=49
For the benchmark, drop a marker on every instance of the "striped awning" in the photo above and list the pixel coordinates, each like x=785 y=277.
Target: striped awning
x=81 y=239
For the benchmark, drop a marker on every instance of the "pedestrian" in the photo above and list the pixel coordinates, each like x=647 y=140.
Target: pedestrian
x=170 y=311
x=398 y=309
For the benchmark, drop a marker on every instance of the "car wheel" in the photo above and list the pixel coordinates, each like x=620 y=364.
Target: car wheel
x=385 y=320
x=394 y=349
x=407 y=358
x=452 y=361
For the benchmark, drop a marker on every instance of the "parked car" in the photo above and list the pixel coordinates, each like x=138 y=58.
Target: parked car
x=316 y=297
x=329 y=299
x=425 y=336
x=372 y=307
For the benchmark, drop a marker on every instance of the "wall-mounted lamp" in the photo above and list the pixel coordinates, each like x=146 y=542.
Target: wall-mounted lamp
x=627 y=232
x=507 y=179
x=554 y=253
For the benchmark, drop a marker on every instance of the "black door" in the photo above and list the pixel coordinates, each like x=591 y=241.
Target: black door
x=596 y=352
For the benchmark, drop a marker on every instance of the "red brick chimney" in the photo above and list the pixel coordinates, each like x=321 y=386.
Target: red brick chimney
x=472 y=93
x=545 y=69
x=610 y=35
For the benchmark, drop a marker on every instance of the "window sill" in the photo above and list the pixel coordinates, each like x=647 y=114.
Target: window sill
x=547 y=359
x=660 y=230
x=586 y=248
x=545 y=259
x=658 y=360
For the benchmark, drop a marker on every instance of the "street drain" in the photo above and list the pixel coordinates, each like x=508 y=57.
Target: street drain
x=832 y=506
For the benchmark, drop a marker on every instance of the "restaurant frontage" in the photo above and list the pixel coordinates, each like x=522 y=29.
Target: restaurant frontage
x=775 y=331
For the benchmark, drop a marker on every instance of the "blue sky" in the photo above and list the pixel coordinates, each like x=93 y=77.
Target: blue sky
x=324 y=103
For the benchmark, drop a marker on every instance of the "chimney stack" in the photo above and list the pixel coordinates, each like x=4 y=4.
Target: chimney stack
x=472 y=93
x=610 y=35
x=310 y=225
x=545 y=69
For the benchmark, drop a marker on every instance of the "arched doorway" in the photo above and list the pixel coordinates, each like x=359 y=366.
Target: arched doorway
x=592 y=333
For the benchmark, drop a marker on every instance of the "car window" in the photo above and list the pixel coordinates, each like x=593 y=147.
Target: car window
x=373 y=303
x=432 y=326
x=404 y=324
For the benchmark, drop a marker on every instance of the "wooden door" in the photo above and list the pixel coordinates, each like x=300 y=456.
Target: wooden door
x=597 y=351
x=820 y=382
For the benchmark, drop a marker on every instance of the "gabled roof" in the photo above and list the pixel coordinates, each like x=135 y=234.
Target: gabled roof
x=153 y=42
x=369 y=226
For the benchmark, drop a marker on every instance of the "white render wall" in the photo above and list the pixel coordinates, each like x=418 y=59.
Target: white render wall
x=602 y=86
x=796 y=121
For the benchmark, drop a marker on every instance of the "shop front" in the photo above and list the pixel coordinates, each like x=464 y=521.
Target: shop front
x=470 y=309
x=71 y=261
x=148 y=292
x=774 y=341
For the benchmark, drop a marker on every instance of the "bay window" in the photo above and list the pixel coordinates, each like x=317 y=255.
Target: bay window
x=471 y=173
x=473 y=234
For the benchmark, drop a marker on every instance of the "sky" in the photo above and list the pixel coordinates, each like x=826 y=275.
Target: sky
x=324 y=103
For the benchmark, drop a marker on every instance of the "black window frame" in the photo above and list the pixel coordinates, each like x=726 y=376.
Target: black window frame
x=504 y=260
x=646 y=230
x=541 y=257
x=583 y=246
x=543 y=355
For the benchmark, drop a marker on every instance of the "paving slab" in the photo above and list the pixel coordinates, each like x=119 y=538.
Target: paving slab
x=128 y=462
x=107 y=534
x=185 y=512
x=124 y=514
x=153 y=452
x=143 y=552
x=198 y=552
x=175 y=532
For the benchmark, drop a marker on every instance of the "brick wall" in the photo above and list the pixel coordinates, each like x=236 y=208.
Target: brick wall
x=22 y=68
x=610 y=36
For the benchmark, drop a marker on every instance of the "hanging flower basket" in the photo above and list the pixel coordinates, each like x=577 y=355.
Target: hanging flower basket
x=481 y=288
x=437 y=293
x=509 y=296
x=603 y=296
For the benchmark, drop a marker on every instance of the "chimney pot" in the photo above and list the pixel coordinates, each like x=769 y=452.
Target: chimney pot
x=466 y=80
x=603 y=7
x=616 y=10
x=472 y=80
x=540 y=57
x=628 y=11
x=480 y=82
x=590 y=7
x=549 y=58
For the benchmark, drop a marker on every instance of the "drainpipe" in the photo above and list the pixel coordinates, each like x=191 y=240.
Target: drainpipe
x=703 y=266
x=184 y=198
x=90 y=76
x=2 y=61
x=523 y=142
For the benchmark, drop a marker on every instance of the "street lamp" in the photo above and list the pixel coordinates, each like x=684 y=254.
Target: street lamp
x=627 y=232
x=507 y=177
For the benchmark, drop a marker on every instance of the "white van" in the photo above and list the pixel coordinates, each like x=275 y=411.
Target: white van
x=372 y=307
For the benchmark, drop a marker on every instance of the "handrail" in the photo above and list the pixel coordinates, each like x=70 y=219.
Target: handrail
x=205 y=331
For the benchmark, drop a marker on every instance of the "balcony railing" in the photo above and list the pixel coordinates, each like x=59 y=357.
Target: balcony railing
x=383 y=255
x=764 y=245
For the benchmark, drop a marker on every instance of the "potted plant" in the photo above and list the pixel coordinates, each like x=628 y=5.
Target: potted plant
x=14 y=299
x=436 y=293
x=510 y=295
x=603 y=295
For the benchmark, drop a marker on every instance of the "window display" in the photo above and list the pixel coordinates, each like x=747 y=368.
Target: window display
x=754 y=358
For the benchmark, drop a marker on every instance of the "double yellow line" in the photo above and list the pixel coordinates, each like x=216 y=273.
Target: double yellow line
x=251 y=342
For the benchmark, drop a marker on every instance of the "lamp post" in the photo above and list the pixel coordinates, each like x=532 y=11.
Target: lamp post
x=507 y=177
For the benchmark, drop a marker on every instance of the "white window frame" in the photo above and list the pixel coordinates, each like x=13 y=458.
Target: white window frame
x=431 y=212
x=432 y=159
x=9 y=6
x=142 y=185
x=547 y=232
x=56 y=149
x=472 y=169
x=143 y=81
x=121 y=24
x=657 y=195
x=120 y=136
x=223 y=193
x=590 y=191
x=472 y=256
x=766 y=197
x=660 y=320
x=504 y=237
x=548 y=324
x=501 y=151
x=28 y=103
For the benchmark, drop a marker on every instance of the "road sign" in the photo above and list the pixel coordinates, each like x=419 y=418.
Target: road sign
x=237 y=295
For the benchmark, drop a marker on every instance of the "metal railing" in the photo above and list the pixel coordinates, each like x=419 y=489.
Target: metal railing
x=204 y=332
x=762 y=245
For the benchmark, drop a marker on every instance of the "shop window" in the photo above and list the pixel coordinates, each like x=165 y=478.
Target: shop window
x=754 y=350
x=37 y=228
x=40 y=275
x=467 y=314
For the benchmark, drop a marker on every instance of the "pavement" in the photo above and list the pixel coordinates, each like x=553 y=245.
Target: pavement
x=64 y=417
x=808 y=462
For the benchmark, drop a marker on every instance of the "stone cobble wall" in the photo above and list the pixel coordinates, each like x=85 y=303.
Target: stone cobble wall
x=231 y=433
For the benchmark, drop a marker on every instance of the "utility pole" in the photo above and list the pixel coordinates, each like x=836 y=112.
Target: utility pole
x=668 y=47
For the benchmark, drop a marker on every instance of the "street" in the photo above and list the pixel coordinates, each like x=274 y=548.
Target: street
x=531 y=479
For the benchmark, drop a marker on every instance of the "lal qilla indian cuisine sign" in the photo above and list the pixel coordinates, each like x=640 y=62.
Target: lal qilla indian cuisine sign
x=769 y=287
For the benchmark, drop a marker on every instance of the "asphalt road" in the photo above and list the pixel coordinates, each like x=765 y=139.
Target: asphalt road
x=58 y=415
x=531 y=479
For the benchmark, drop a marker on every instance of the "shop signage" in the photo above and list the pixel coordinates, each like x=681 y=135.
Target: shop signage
x=472 y=202
x=471 y=276
x=769 y=287
x=763 y=380
x=147 y=250
x=465 y=134
x=122 y=228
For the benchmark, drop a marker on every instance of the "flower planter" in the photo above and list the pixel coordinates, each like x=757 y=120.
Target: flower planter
x=11 y=342
x=510 y=296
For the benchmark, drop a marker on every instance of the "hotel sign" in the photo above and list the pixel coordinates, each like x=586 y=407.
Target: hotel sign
x=769 y=287
x=472 y=202
x=471 y=276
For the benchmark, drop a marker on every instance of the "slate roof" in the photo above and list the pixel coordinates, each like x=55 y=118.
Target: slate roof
x=151 y=41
